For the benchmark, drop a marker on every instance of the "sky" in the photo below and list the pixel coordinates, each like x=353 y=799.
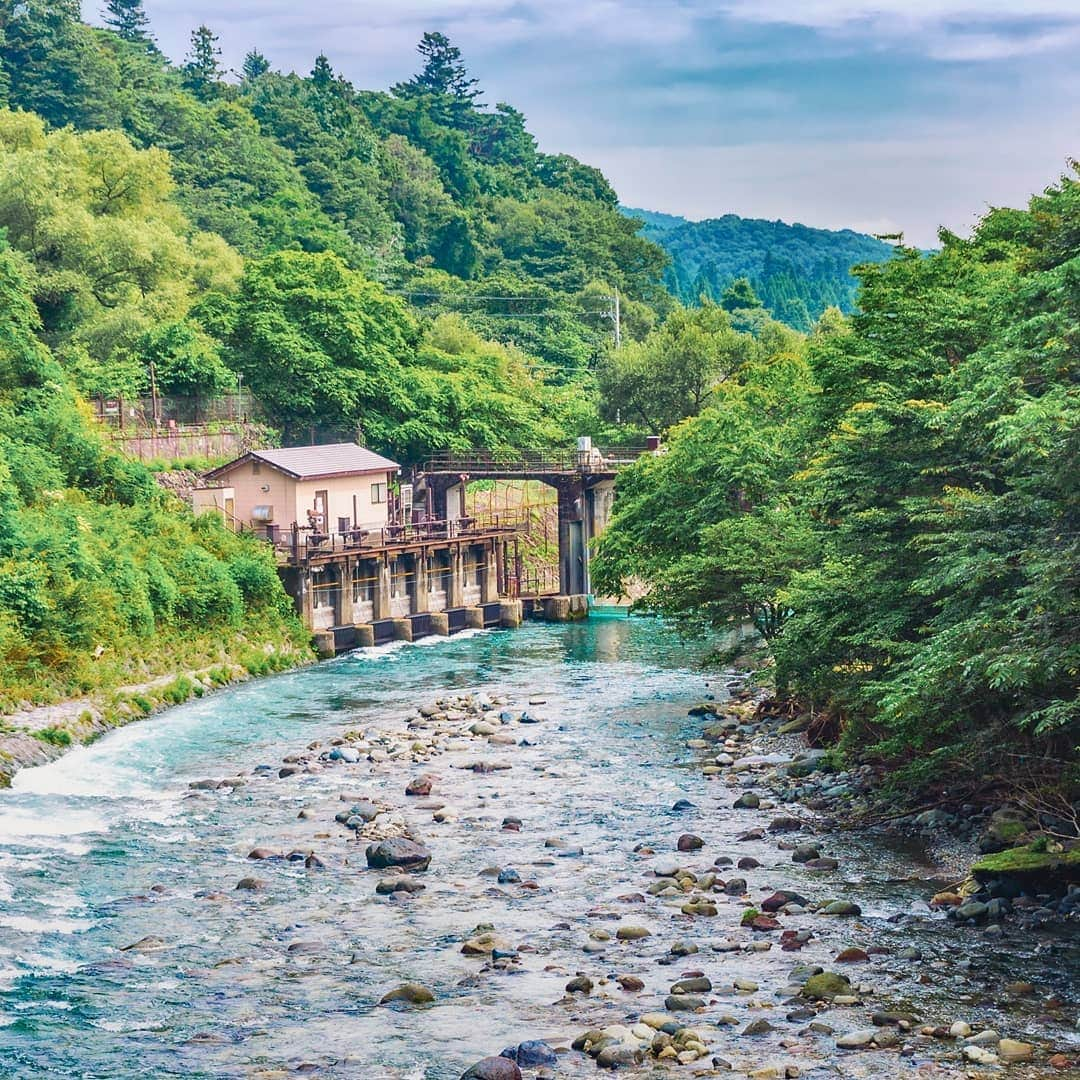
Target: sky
x=877 y=115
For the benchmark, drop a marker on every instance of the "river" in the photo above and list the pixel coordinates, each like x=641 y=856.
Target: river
x=109 y=845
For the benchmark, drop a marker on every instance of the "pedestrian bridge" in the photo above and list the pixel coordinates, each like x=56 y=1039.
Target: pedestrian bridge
x=584 y=480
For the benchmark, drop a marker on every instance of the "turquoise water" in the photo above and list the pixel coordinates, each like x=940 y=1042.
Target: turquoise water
x=109 y=845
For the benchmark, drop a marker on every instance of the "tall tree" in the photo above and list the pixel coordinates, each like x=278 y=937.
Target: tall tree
x=202 y=70
x=445 y=79
x=128 y=19
x=254 y=67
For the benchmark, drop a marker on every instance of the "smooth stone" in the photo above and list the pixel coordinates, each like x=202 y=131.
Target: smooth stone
x=747 y=801
x=251 y=884
x=805 y=853
x=632 y=933
x=1010 y=1050
x=857 y=1040
x=689 y=842
x=402 y=883
x=398 y=851
x=581 y=984
x=842 y=907
x=758 y=1027
x=683 y=1003
x=145 y=944
x=493 y=1068
x=410 y=993
x=630 y=983
x=532 y=1054
x=826 y=986
x=699 y=985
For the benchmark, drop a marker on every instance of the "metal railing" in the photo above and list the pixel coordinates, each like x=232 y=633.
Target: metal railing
x=478 y=462
x=303 y=542
x=538 y=581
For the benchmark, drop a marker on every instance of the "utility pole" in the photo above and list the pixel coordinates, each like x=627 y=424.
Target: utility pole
x=154 y=403
x=618 y=323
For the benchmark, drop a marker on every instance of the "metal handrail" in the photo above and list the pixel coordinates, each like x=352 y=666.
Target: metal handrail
x=477 y=462
x=302 y=541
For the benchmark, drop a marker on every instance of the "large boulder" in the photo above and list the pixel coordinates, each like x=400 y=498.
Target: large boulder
x=398 y=851
x=493 y=1068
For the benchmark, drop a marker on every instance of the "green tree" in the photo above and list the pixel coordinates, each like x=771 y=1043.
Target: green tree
x=443 y=74
x=128 y=19
x=202 y=68
x=740 y=296
x=254 y=67
x=322 y=347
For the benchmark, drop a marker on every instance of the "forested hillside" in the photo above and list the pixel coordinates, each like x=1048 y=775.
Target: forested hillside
x=423 y=191
x=896 y=508
x=337 y=250
x=797 y=272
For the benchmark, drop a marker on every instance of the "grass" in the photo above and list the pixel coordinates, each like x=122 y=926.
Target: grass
x=54 y=736
x=1033 y=859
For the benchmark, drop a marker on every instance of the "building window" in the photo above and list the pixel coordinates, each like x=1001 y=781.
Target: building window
x=343 y=525
x=378 y=493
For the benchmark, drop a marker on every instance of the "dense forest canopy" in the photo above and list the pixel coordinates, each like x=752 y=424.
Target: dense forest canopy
x=797 y=271
x=877 y=472
x=897 y=511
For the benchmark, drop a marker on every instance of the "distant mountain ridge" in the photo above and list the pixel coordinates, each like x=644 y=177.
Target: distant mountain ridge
x=798 y=271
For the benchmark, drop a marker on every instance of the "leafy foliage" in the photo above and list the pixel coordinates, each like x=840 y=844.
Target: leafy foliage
x=918 y=527
x=798 y=272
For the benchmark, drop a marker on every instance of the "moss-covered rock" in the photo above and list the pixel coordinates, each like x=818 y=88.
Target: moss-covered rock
x=1027 y=861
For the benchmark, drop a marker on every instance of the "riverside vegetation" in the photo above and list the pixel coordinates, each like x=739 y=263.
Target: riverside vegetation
x=888 y=499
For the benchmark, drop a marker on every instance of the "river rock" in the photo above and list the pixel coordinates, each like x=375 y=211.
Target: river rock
x=630 y=983
x=420 y=785
x=696 y=985
x=758 y=1027
x=804 y=853
x=146 y=944
x=251 y=884
x=580 y=984
x=980 y=1055
x=735 y=886
x=857 y=1040
x=852 y=956
x=841 y=907
x=823 y=863
x=1010 y=1050
x=410 y=993
x=493 y=1068
x=632 y=933
x=398 y=851
x=785 y=824
x=349 y=754
x=689 y=842
x=683 y=1003
x=826 y=986
x=747 y=801
x=402 y=883
x=533 y=1054
x=263 y=853
x=781 y=898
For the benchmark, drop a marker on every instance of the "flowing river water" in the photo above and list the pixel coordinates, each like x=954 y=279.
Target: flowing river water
x=109 y=845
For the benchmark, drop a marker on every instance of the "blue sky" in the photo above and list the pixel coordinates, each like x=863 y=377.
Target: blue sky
x=871 y=114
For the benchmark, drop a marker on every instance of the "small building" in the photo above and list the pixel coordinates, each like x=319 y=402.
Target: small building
x=334 y=488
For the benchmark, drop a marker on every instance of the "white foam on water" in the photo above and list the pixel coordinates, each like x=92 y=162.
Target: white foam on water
x=28 y=925
x=392 y=649
x=24 y=826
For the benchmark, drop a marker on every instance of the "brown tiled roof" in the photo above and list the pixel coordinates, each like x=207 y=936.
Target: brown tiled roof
x=313 y=462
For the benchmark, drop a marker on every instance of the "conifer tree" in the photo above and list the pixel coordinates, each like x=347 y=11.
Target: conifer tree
x=255 y=66
x=128 y=19
x=202 y=70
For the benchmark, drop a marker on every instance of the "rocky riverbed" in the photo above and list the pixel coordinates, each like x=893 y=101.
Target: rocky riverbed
x=522 y=854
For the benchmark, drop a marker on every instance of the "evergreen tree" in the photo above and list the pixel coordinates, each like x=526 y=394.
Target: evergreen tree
x=322 y=74
x=254 y=67
x=739 y=296
x=128 y=19
x=443 y=71
x=202 y=70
